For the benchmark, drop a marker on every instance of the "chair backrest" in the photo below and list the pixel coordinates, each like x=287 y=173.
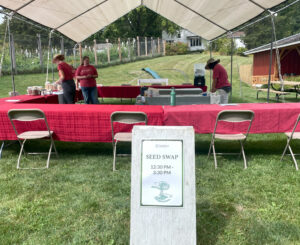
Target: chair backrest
x=235 y=116
x=127 y=117
x=26 y=115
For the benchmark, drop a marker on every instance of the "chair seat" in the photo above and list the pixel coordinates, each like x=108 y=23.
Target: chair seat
x=296 y=135
x=230 y=136
x=125 y=137
x=34 y=135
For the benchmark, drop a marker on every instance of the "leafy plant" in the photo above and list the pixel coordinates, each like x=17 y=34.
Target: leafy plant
x=176 y=48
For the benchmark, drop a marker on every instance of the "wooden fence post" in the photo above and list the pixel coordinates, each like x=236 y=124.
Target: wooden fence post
x=95 y=52
x=138 y=46
x=146 y=47
x=62 y=46
x=120 y=51
x=129 y=48
x=164 y=47
x=39 y=42
x=158 y=45
x=80 y=53
x=108 y=51
x=152 y=46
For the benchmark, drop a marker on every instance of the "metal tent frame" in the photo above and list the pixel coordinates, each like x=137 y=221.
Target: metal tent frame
x=180 y=3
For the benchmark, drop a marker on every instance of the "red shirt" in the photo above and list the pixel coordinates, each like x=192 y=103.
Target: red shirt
x=67 y=70
x=84 y=71
x=220 y=74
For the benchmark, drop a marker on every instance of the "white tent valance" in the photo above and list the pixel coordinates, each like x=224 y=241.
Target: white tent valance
x=78 y=19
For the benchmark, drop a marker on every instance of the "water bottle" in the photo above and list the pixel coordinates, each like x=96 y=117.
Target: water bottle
x=173 y=97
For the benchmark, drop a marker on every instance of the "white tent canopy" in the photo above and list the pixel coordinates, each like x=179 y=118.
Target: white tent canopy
x=79 y=19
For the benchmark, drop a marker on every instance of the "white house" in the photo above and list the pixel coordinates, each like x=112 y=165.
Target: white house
x=237 y=37
x=194 y=42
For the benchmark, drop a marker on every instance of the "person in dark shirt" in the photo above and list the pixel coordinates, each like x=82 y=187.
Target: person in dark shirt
x=65 y=79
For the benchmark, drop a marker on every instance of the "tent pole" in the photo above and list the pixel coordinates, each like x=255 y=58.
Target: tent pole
x=10 y=39
x=52 y=65
x=74 y=54
x=231 y=65
x=210 y=56
x=271 y=59
x=48 y=55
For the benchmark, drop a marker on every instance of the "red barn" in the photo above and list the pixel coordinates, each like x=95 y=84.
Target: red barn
x=289 y=52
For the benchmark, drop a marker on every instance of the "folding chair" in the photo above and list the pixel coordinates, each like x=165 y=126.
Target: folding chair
x=125 y=117
x=232 y=117
x=31 y=115
x=290 y=136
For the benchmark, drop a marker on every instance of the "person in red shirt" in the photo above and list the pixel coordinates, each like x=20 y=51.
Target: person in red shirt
x=65 y=79
x=220 y=79
x=86 y=74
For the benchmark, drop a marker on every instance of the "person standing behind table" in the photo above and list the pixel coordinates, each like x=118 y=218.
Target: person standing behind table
x=65 y=79
x=87 y=74
x=220 y=79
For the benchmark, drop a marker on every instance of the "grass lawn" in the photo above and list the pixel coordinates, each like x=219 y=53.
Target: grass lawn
x=79 y=200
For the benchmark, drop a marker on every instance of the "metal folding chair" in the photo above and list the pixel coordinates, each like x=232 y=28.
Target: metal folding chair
x=232 y=117
x=292 y=136
x=125 y=117
x=31 y=115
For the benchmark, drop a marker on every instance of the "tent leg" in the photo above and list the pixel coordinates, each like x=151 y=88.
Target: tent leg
x=10 y=38
x=271 y=59
x=48 y=56
x=231 y=66
x=52 y=65
x=210 y=73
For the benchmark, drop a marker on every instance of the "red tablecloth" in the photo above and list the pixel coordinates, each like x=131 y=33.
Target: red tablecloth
x=269 y=118
x=128 y=92
x=35 y=99
x=24 y=99
x=132 y=91
x=78 y=123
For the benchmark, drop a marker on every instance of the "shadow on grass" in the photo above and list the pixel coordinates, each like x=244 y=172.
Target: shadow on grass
x=276 y=232
x=266 y=144
x=211 y=221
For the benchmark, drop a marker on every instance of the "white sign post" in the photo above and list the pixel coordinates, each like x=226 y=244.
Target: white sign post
x=163 y=202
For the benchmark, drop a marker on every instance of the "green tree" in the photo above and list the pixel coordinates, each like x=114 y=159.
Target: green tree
x=287 y=23
x=139 y=22
x=223 y=46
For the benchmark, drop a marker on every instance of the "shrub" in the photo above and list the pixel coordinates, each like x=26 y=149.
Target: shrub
x=176 y=48
x=240 y=51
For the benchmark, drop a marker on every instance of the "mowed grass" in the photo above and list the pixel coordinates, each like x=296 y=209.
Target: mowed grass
x=79 y=200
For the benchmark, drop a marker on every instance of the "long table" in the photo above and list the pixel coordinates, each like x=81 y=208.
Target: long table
x=77 y=123
x=36 y=99
x=91 y=123
x=269 y=118
x=128 y=92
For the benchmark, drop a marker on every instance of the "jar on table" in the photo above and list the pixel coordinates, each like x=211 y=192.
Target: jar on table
x=29 y=91
x=47 y=86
